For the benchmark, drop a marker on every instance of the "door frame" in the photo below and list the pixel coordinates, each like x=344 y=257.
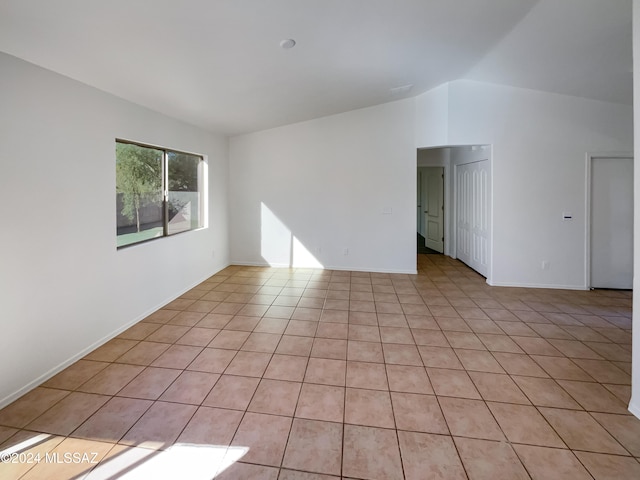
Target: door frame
x=587 y=236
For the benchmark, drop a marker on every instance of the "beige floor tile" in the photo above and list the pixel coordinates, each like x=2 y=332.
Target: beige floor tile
x=262 y=342
x=515 y=364
x=75 y=375
x=537 y=346
x=30 y=406
x=452 y=324
x=232 y=392
x=364 y=351
x=144 y=353
x=6 y=433
x=301 y=328
x=271 y=325
x=498 y=388
x=545 y=392
x=286 y=367
x=574 y=349
x=277 y=397
x=265 y=436
x=430 y=338
x=314 y=446
x=338 y=331
x=581 y=432
x=429 y=456
x=159 y=426
x=593 y=397
x=364 y=333
x=329 y=348
x=190 y=387
x=464 y=340
x=212 y=360
x=291 y=345
x=401 y=354
x=418 y=413
x=150 y=383
x=499 y=343
x=524 y=424
x=188 y=319
x=112 y=379
x=211 y=426
x=368 y=407
x=439 y=357
x=111 y=350
x=230 y=339
x=214 y=320
x=113 y=419
x=470 y=418
x=326 y=371
x=249 y=364
x=609 y=467
x=604 y=371
x=371 y=453
x=489 y=460
x=366 y=375
x=624 y=428
x=545 y=463
x=334 y=316
x=67 y=415
x=396 y=335
x=561 y=368
x=198 y=337
x=622 y=392
x=479 y=361
x=452 y=383
x=409 y=379
x=167 y=333
x=321 y=402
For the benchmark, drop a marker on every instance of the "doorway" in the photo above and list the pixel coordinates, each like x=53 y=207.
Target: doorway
x=610 y=225
x=430 y=211
x=466 y=203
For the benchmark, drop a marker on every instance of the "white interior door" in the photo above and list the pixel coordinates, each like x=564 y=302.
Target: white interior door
x=612 y=223
x=473 y=214
x=433 y=203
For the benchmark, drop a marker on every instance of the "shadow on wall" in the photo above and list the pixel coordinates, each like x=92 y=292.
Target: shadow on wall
x=279 y=247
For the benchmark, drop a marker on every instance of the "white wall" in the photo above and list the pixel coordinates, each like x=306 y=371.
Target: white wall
x=63 y=286
x=340 y=182
x=432 y=117
x=539 y=145
x=634 y=405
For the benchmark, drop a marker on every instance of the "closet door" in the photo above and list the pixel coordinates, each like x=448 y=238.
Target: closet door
x=473 y=214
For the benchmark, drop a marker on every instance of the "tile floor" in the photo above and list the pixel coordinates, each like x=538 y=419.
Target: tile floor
x=262 y=373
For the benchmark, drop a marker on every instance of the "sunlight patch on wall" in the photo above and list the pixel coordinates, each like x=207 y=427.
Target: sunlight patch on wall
x=279 y=247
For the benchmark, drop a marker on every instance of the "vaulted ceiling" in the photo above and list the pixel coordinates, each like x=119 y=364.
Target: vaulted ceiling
x=218 y=63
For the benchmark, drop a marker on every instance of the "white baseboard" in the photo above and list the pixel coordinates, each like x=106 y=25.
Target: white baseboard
x=538 y=285
x=328 y=267
x=61 y=366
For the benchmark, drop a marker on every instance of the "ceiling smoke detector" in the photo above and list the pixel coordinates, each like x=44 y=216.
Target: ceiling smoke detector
x=288 y=43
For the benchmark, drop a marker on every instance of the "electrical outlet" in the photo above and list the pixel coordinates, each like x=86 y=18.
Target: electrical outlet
x=545 y=265
x=345 y=251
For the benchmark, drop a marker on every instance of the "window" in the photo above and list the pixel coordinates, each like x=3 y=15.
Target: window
x=159 y=192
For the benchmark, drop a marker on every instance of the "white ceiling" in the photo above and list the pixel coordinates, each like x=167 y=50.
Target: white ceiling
x=217 y=63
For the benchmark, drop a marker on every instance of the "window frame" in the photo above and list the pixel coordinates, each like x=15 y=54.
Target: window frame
x=202 y=190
